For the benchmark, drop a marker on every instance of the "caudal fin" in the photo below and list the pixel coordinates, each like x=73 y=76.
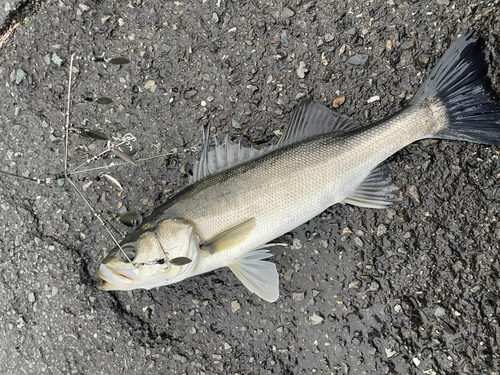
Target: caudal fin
x=461 y=81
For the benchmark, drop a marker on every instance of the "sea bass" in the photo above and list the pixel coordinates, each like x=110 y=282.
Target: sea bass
x=241 y=198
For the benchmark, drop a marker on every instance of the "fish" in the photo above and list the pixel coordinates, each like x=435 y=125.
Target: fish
x=241 y=198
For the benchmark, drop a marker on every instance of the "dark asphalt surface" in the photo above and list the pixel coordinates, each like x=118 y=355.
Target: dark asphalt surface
x=413 y=289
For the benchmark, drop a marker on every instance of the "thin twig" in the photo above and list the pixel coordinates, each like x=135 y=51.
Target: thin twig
x=67 y=114
x=9 y=32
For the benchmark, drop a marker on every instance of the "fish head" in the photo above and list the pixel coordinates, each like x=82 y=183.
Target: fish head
x=157 y=256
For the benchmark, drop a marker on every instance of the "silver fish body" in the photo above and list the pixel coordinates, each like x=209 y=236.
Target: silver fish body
x=231 y=211
x=290 y=185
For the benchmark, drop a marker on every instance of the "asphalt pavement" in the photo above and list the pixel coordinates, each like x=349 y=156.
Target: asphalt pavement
x=413 y=289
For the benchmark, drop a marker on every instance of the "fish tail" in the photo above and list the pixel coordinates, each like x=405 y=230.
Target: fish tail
x=461 y=85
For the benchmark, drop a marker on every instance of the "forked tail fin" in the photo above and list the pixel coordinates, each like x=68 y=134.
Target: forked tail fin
x=461 y=81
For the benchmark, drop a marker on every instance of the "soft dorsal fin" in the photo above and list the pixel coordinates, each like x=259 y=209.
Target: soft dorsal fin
x=376 y=191
x=259 y=276
x=309 y=119
x=230 y=237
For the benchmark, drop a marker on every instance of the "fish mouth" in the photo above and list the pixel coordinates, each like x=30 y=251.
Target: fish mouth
x=112 y=279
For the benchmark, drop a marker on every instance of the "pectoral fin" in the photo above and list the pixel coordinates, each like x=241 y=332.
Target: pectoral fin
x=259 y=276
x=230 y=237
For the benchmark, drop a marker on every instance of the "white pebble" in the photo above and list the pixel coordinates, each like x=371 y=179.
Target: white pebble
x=373 y=99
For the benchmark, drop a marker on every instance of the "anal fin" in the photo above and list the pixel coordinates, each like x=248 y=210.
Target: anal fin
x=259 y=276
x=376 y=191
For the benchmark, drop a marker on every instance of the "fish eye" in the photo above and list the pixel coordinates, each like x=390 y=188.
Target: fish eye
x=129 y=253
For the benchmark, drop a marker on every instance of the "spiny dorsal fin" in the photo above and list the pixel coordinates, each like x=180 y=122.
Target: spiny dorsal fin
x=230 y=237
x=221 y=157
x=376 y=191
x=309 y=119
x=259 y=276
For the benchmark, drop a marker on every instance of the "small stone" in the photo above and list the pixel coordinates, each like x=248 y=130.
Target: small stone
x=215 y=17
x=316 y=319
x=390 y=353
x=440 y=312
x=288 y=274
x=373 y=99
x=476 y=289
x=308 y=5
x=217 y=356
x=56 y=59
x=150 y=85
x=355 y=284
x=358 y=241
x=381 y=230
x=409 y=44
x=252 y=88
x=300 y=95
x=352 y=32
x=105 y=18
x=338 y=101
x=83 y=7
x=374 y=286
x=388 y=45
x=298 y=296
x=302 y=69
x=413 y=192
x=235 y=306
x=287 y=13
x=227 y=346
x=166 y=48
x=328 y=38
x=235 y=124
x=20 y=75
x=190 y=93
x=358 y=60
x=423 y=59
x=296 y=244
x=416 y=361
x=31 y=297
x=179 y=358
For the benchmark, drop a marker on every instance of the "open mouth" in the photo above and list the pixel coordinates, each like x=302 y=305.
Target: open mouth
x=115 y=279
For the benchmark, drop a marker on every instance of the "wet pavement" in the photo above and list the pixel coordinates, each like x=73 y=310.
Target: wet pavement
x=413 y=289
